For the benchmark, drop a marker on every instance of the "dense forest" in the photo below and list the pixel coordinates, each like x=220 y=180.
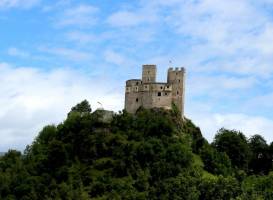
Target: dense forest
x=153 y=154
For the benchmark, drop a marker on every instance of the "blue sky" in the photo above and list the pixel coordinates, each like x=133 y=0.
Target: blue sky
x=54 y=54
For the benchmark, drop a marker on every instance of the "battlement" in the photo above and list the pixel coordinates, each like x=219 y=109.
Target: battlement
x=177 y=69
x=149 y=65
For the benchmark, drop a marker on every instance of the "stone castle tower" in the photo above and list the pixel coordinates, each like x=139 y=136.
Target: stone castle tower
x=148 y=93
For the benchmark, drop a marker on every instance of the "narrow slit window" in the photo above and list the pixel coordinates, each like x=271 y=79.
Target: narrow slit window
x=136 y=99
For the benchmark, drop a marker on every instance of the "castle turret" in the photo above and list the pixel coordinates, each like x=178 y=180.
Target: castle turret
x=148 y=73
x=176 y=77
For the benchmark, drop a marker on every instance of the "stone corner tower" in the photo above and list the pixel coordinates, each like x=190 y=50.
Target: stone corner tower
x=148 y=93
x=176 y=77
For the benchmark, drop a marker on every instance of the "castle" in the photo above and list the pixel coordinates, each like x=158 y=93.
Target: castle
x=148 y=93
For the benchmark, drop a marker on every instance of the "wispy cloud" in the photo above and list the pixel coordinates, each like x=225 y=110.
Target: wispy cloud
x=114 y=57
x=25 y=4
x=81 y=37
x=13 y=51
x=128 y=18
x=70 y=54
x=82 y=15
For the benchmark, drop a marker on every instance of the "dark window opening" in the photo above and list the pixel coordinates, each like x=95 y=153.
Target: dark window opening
x=176 y=73
x=159 y=94
x=166 y=94
x=136 y=99
x=161 y=87
x=177 y=92
x=179 y=81
x=167 y=86
x=136 y=83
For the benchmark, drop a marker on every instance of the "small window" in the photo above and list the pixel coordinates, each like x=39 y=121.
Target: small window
x=148 y=79
x=166 y=94
x=177 y=92
x=136 y=99
x=136 y=83
x=167 y=86
x=159 y=94
x=176 y=73
x=161 y=87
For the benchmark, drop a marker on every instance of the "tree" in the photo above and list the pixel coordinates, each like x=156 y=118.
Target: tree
x=219 y=188
x=215 y=162
x=234 y=144
x=82 y=108
x=260 y=161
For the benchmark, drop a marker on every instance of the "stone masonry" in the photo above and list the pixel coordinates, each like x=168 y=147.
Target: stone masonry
x=148 y=93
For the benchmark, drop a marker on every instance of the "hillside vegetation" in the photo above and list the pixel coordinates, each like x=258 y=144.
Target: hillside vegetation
x=153 y=154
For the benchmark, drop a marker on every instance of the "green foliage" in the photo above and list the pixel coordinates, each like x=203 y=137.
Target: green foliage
x=82 y=108
x=261 y=158
x=219 y=189
x=216 y=162
x=234 y=144
x=153 y=154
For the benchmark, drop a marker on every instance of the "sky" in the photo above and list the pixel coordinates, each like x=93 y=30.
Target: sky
x=56 y=53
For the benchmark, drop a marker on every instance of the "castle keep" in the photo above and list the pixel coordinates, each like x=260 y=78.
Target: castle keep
x=148 y=93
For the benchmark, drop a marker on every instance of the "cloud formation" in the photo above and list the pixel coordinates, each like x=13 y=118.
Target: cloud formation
x=34 y=98
x=82 y=15
x=25 y=4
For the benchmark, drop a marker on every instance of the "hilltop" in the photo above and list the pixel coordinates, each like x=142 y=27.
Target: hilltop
x=153 y=154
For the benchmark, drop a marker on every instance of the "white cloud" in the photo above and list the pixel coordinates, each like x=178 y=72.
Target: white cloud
x=70 y=54
x=18 y=3
x=81 y=37
x=32 y=98
x=128 y=18
x=210 y=85
x=210 y=123
x=12 y=51
x=81 y=16
x=114 y=57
